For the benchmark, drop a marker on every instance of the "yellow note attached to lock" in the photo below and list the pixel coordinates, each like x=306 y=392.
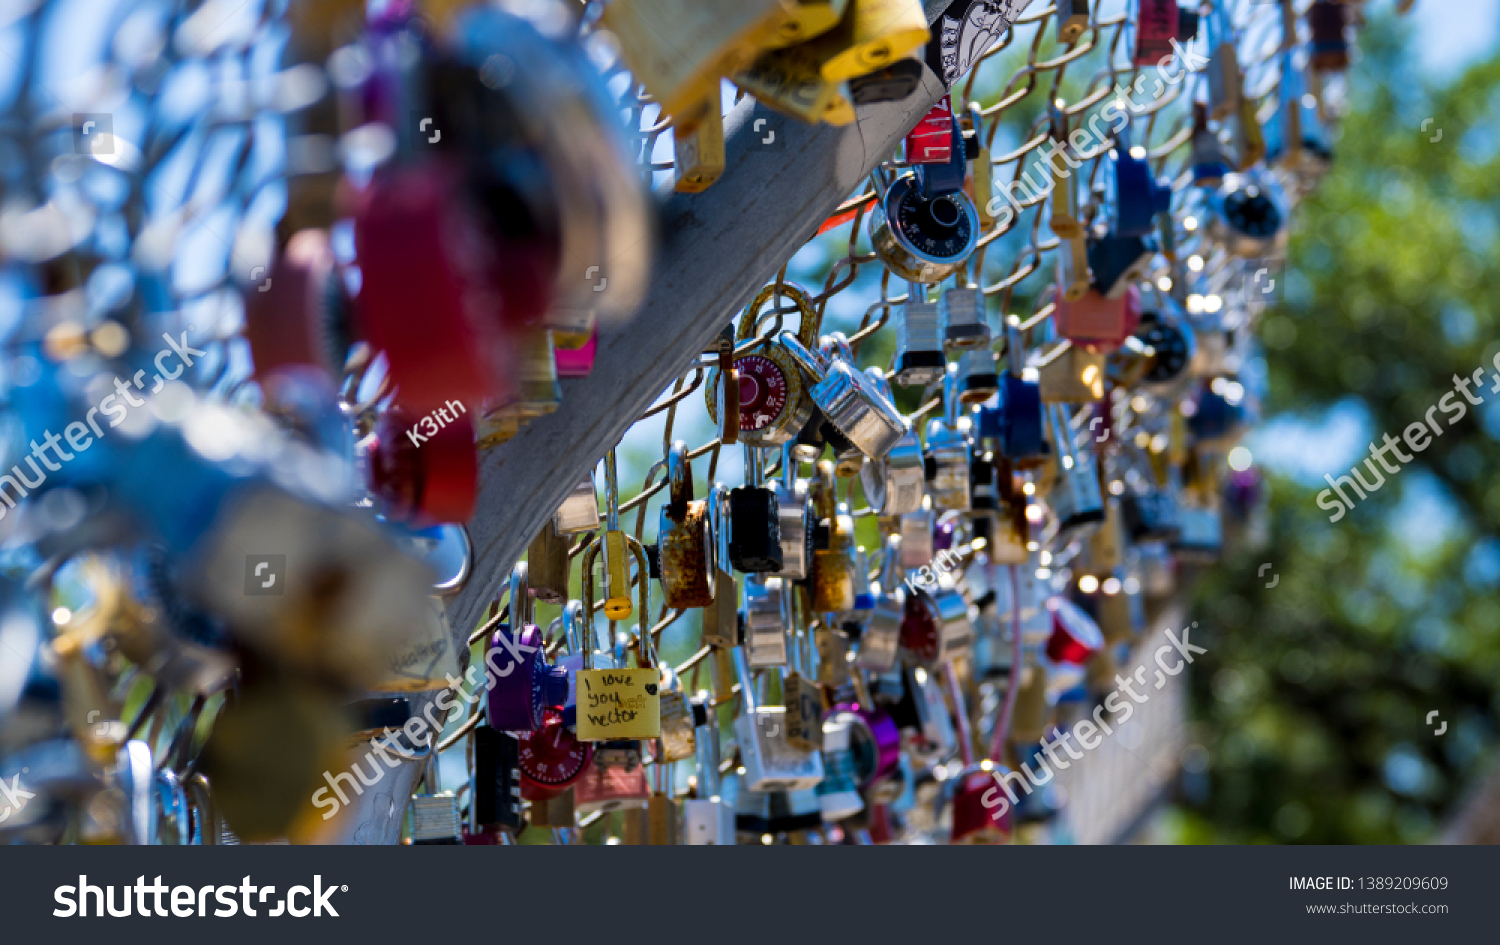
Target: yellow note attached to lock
x=618 y=703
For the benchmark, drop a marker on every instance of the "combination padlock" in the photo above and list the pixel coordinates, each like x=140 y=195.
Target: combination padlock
x=1245 y=217
x=853 y=404
x=949 y=455
x=551 y=759
x=765 y=633
x=495 y=798
x=771 y=764
x=919 y=340
x=754 y=521
x=774 y=405
x=794 y=519
x=961 y=319
x=920 y=238
x=838 y=792
x=522 y=684
x=688 y=559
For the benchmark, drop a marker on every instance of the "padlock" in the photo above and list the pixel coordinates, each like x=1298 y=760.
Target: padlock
x=850 y=400
x=1135 y=197
x=948 y=454
x=977 y=378
x=917 y=549
x=1245 y=217
x=980 y=183
x=893 y=83
x=538 y=390
x=961 y=319
x=838 y=792
x=556 y=810
x=974 y=821
x=677 y=738
x=938 y=178
x=658 y=823
x=809 y=18
x=495 y=798
x=1075 y=499
x=800 y=696
x=1209 y=163
x=612 y=783
x=791 y=81
x=765 y=634
x=833 y=562
x=616 y=548
x=794 y=519
x=299 y=315
x=708 y=819
x=547 y=564
x=688 y=559
x=919 y=340
x=424 y=470
x=435 y=817
x=698 y=148
x=1065 y=219
x=871 y=35
x=620 y=703
x=930 y=141
x=721 y=619
x=579 y=512
x=1172 y=348
x=935 y=626
x=920 y=238
x=551 y=758
x=770 y=763
x=678 y=49
x=575 y=348
x=1156 y=24
x=832 y=647
x=1327 y=24
x=1098 y=322
x=874 y=741
x=1116 y=264
x=522 y=685
x=1225 y=79
x=1104 y=551
x=774 y=405
x=880 y=641
x=726 y=410
x=1072 y=20
x=754 y=520
x=1070 y=374
x=896 y=483
x=1075 y=636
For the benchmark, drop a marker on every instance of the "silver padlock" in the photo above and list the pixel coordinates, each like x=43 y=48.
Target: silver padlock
x=579 y=512
x=936 y=739
x=708 y=819
x=721 y=619
x=765 y=633
x=978 y=377
x=881 y=641
x=850 y=400
x=919 y=340
x=1075 y=499
x=794 y=515
x=896 y=483
x=770 y=763
x=949 y=455
x=916 y=537
x=961 y=318
x=434 y=815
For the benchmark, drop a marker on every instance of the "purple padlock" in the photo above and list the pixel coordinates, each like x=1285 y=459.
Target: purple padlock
x=944 y=532
x=522 y=685
x=874 y=740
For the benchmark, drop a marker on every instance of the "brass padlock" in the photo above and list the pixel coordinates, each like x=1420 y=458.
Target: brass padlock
x=616 y=551
x=1070 y=374
x=547 y=561
x=833 y=565
x=688 y=561
x=698 y=149
x=620 y=703
x=802 y=697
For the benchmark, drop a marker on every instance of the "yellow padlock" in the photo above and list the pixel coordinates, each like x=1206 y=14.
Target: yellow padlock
x=619 y=703
x=698 y=149
x=872 y=35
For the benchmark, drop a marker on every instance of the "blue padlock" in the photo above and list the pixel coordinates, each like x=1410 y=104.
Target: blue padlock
x=938 y=179
x=1134 y=195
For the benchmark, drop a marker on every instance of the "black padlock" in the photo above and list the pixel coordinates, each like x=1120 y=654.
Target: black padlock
x=891 y=84
x=754 y=521
x=1117 y=262
x=497 y=780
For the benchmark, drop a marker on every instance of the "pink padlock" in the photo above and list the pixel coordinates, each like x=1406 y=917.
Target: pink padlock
x=1096 y=322
x=610 y=787
x=575 y=358
x=1155 y=31
x=976 y=820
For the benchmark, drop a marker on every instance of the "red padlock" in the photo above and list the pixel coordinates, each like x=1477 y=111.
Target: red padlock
x=1096 y=322
x=296 y=315
x=974 y=821
x=1075 y=636
x=552 y=758
x=430 y=296
x=1155 y=30
x=931 y=141
x=429 y=478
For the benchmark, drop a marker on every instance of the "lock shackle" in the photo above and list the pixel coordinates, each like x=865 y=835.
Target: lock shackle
x=807 y=328
x=643 y=585
x=717 y=497
x=679 y=481
x=890 y=565
x=1062 y=433
x=836 y=345
x=789 y=467
x=826 y=502
x=575 y=625
x=882 y=384
x=522 y=608
x=809 y=360
x=950 y=397
x=755 y=466
x=611 y=493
